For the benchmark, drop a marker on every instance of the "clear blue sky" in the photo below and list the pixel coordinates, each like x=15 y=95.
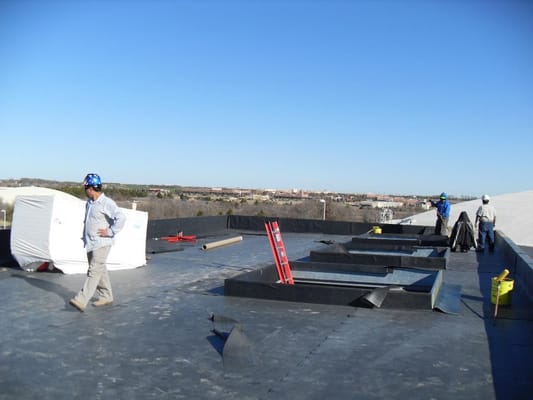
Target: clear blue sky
x=399 y=97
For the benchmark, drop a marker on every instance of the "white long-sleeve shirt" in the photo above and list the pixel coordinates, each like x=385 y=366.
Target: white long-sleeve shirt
x=99 y=214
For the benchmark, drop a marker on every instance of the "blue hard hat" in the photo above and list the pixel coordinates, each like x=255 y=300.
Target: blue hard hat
x=443 y=196
x=92 y=180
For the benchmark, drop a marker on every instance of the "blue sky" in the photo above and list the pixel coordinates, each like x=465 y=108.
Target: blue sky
x=398 y=97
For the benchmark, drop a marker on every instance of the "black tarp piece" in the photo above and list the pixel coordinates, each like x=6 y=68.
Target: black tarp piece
x=376 y=297
x=463 y=235
x=383 y=254
x=448 y=299
x=233 y=344
x=399 y=289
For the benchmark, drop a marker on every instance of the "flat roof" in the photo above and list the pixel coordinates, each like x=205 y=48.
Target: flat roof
x=157 y=339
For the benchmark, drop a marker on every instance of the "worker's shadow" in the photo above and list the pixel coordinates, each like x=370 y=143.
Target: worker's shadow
x=42 y=284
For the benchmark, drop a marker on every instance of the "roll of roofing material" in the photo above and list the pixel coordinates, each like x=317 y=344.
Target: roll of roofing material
x=223 y=242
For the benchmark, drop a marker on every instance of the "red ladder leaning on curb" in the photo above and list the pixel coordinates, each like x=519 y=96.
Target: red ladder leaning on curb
x=278 y=250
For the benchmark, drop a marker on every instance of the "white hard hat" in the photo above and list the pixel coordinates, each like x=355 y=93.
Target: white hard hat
x=485 y=197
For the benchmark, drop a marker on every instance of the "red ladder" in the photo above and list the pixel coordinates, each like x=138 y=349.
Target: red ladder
x=278 y=250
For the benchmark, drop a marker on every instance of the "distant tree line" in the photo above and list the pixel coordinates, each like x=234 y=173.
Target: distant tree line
x=177 y=202
x=117 y=193
x=306 y=209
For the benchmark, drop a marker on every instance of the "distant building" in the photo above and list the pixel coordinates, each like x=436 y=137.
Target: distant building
x=423 y=204
x=381 y=204
x=158 y=191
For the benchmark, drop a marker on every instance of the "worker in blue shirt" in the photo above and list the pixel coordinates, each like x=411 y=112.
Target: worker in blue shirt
x=443 y=214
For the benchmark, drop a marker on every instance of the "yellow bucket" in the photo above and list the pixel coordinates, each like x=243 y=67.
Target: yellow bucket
x=506 y=288
x=376 y=229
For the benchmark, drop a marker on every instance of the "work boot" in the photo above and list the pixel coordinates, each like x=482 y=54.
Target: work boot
x=76 y=304
x=102 y=302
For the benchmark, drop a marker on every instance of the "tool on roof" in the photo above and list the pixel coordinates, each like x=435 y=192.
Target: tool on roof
x=278 y=250
x=220 y=243
x=179 y=238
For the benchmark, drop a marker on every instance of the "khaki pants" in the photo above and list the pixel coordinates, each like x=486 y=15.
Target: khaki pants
x=97 y=277
x=441 y=228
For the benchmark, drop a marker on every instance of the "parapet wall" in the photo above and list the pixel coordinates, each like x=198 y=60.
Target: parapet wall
x=254 y=223
x=518 y=263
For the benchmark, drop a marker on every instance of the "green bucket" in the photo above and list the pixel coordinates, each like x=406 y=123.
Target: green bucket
x=506 y=288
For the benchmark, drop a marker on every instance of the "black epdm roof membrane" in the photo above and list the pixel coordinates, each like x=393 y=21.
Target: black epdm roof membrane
x=173 y=333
